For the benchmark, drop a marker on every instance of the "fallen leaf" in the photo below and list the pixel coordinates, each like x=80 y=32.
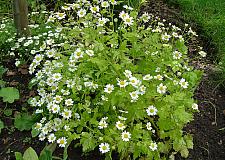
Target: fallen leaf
x=10 y=73
x=23 y=71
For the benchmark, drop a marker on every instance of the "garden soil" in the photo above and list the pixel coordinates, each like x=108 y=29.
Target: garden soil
x=207 y=129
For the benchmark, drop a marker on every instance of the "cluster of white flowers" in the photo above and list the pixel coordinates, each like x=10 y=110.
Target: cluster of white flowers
x=66 y=86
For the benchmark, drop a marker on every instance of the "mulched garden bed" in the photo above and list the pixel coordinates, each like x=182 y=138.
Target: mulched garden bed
x=209 y=137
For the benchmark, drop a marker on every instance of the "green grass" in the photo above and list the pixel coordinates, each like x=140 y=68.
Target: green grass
x=210 y=15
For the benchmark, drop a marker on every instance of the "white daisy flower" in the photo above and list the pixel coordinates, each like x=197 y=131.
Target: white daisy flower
x=158 y=77
x=81 y=13
x=67 y=114
x=161 y=89
x=60 y=16
x=55 y=108
x=122 y=83
x=177 y=55
x=151 y=111
x=38 y=126
x=50 y=53
x=102 y=21
x=62 y=142
x=56 y=76
x=66 y=127
x=183 y=83
x=126 y=136
x=134 y=81
x=142 y=90
x=109 y=88
x=66 y=8
x=128 y=20
x=149 y=126
x=145 y=17
x=194 y=106
x=123 y=15
x=120 y=125
x=38 y=58
x=41 y=137
x=78 y=53
x=69 y=102
x=166 y=37
x=153 y=146
x=127 y=73
x=113 y=2
x=102 y=124
x=105 y=4
x=57 y=99
x=147 y=77
x=51 y=138
x=104 y=147
x=134 y=95
x=94 y=9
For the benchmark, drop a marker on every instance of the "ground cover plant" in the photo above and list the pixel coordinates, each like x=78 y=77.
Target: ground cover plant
x=110 y=81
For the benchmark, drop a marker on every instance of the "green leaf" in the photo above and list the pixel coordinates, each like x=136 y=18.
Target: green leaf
x=184 y=152
x=88 y=141
x=8 y=112
x=2 y=83
x=24 y=121
x=34 y=132
x=179 y=144
x=1 y=125
x=18 y=156
x=189 y=141
x=9 y=94
x=46 y=155
x=30 y=154
x=51 y=147
x=182 y=115
x=2 y=71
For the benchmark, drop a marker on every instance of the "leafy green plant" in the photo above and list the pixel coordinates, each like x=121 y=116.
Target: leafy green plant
x=9 y=94
x=108 y=80
x=30 y=154
x=1 y=125
x=24 y=121
x=7 y=112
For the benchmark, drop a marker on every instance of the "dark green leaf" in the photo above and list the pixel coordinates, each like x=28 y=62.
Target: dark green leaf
x=8 y=112
x=9 y=94
x=1 y=125
x=24 y=121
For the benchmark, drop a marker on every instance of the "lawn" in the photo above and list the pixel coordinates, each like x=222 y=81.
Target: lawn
x=210 y=15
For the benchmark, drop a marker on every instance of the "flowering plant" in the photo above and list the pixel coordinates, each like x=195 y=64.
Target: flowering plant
x=114 y=82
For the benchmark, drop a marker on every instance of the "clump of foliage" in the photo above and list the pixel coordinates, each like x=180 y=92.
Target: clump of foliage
x=30 y=153
x=111 y=81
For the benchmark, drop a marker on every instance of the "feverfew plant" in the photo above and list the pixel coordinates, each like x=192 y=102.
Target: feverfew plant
x=114 y=83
